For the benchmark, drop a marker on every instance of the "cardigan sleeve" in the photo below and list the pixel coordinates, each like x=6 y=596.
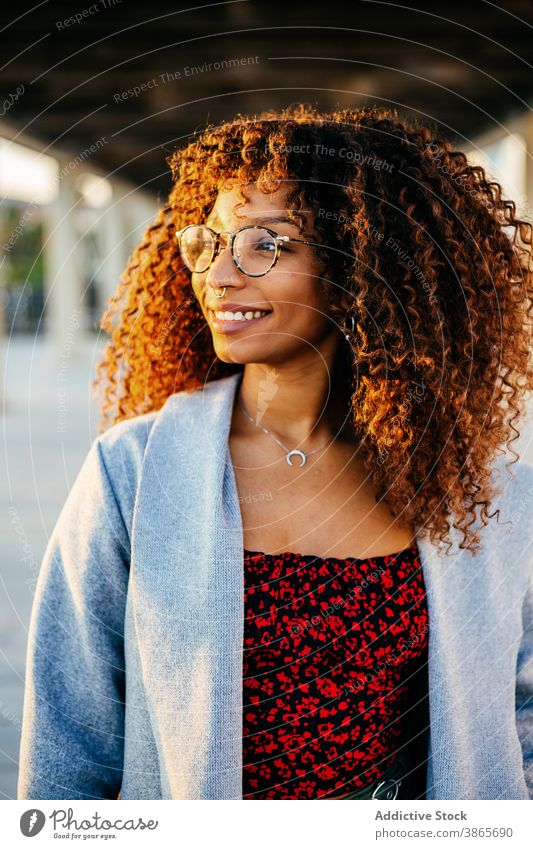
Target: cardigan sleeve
x=524 y=689
x=72 y=741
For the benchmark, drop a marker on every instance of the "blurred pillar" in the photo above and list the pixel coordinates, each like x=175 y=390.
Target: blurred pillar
x=63 y=282
x=114 y=241
x=3 y=400
x=527 y=131
x=124 y=222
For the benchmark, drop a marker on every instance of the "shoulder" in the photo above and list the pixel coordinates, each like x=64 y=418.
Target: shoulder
x=124 y=447
x=514 y=494
x=126 y=441
x=117 y=455
x=510 y=531
x=135 y=452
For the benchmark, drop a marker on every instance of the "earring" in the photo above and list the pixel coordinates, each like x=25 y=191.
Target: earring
x=347 y=335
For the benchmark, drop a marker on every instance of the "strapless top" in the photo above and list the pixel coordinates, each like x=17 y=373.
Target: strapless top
x=331 y=647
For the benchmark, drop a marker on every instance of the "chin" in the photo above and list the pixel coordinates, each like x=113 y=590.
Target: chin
x=242 y=352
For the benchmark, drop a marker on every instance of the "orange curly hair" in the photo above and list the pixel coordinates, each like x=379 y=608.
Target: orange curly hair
x=441 y=296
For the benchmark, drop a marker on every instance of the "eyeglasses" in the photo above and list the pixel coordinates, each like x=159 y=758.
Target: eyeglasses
x=255 y=250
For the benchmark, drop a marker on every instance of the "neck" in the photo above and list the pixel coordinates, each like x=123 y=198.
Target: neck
x=303 y=401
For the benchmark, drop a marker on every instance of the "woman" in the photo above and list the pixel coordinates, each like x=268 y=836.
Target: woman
x=277 y=574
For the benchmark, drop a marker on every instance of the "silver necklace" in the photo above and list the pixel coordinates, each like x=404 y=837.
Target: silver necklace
x=295 y=452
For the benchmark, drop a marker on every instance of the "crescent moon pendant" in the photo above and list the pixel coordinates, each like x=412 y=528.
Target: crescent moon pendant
x=296 y=453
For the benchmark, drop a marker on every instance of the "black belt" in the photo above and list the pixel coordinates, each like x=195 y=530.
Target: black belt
x=403 y=780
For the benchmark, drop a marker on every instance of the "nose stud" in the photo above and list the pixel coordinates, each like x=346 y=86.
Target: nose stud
x=222 y=294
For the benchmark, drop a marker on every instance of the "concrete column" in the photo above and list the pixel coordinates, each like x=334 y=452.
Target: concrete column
x=123 y=224
x=2 y=310
x=114 y=247
x=63 y=281
x=526 y=129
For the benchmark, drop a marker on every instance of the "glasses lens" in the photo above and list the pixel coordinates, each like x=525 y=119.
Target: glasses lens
x=197 y=247
x=255 y=250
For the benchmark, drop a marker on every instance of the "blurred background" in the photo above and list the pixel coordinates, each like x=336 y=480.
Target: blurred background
x=93 y=97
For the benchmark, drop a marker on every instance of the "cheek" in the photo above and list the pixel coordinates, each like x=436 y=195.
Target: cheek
x=302 y=309
x=198 y=288
x=302 y=289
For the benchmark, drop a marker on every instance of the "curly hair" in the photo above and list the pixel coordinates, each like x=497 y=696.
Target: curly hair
x=437 y=268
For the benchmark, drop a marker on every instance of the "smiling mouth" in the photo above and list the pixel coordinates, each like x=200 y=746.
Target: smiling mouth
x=237 y=317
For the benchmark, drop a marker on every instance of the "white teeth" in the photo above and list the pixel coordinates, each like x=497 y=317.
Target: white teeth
x=239 y=316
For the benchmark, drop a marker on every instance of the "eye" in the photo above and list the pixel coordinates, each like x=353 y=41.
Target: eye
x=265 y=245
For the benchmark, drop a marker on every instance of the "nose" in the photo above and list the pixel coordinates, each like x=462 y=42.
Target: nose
x=223 y=271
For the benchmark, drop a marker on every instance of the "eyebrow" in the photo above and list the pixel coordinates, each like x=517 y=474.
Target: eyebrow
x=270 y=220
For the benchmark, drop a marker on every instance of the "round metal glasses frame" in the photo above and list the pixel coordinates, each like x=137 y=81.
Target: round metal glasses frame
x=278 y=240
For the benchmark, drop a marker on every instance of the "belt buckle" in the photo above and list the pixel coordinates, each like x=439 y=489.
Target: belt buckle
x=392 y=785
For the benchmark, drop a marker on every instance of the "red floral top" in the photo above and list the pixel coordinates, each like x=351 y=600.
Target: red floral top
x=330 y=647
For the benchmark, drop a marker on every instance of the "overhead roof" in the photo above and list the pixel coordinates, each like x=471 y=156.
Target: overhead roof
x=133 y=80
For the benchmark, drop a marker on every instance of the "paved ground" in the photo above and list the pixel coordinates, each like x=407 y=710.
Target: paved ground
x=50 y=421
x=49 y=425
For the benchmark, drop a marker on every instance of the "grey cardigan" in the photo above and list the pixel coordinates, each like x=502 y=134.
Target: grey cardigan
x=134 y=665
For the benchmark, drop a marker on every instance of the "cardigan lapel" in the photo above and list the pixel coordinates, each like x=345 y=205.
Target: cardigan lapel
x=474 y=614
x=188 y=579
x=187 y=598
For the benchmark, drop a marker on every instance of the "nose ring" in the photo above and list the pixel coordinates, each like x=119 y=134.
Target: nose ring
x=223 y=293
